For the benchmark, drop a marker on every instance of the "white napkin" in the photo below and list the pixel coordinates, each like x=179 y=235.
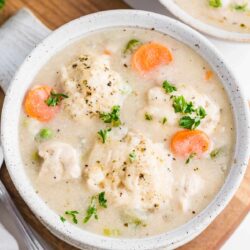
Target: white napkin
x=7 y=241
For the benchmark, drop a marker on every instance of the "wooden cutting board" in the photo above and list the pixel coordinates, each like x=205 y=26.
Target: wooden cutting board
x=57 y=12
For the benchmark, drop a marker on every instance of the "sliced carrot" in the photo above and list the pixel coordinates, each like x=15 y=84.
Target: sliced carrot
x=186 y=142
x=107 y=52
x=35 y=106
x=208 y=75
x=148 y=56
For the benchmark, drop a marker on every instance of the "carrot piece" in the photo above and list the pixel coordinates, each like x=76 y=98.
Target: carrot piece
x=107 y=52
x=186 y=142
x=148 y=56
x=208 y=75
x=35 y=106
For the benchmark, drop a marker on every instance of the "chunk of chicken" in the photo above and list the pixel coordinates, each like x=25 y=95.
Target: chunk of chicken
x=92 y=86
x=61 y=161
x=160 y=105
x=135 y=172
x=188 y=186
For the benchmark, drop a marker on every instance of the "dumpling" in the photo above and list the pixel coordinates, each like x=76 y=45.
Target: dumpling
x=60 y=161
x=134 y=172
x=92 y=86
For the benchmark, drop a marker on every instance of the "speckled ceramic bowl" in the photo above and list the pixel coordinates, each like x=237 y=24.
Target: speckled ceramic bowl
x=62 y=37
x=203 y=27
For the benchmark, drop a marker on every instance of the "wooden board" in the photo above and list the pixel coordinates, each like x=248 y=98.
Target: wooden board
x=57 y=12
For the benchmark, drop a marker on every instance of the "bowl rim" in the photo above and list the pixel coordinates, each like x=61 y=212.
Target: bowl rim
x=61 y=38
x=202 y=26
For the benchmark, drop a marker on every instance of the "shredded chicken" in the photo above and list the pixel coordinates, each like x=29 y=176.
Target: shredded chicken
x=60 y=161
x=160 y=105
x=189 y=186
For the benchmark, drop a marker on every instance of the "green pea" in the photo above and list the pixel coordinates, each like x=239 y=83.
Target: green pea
x=45 y=134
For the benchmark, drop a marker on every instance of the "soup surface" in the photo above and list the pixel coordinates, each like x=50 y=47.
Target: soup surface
x=126 y=133
x=230 y=15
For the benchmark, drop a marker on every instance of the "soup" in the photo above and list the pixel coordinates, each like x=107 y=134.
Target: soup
x=128 y=126
x=230 y=15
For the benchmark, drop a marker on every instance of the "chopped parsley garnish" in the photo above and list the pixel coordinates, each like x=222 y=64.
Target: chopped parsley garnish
x=240 y=7
x=104 y=134
x=113 y=117
x=91 y=211
x=201 y=112
x=102 y=200
x=169 y=88
x=131 y=45
x=148 y=117
x=214 y=153
x=191 y=156
x=164 y=120
x=62 y=219
x=215 y=3
x=55 y=98
x=73 y=215
x=138 y=222
x=44 y=134
x=92 y=208
x=132 y=156
x=180 y=105
x=2 y=3
x=189 y=122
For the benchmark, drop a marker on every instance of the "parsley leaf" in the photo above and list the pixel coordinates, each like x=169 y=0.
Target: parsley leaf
x=62 y=219
x=104 y=134
x=92 y=208
x=215 y=3
x=189 y=122
x=131 y=45
x=73 y=215
x=132 y=156
x=2 y=3
x=201 y=112
x=55 y=98
x=180 y=105
x=148 y=117
x=112 y=117
x=102 y=200
x=215 y=153
x=191 y=156
x=91 y=211
x=164 y=120
x=240 y=7
x=169 y=88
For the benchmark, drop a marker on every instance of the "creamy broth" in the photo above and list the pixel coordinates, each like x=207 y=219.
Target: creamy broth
x=148 y=188
x=230 y=15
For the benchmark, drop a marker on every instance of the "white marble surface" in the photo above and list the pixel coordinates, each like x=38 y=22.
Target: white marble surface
x=238 y=56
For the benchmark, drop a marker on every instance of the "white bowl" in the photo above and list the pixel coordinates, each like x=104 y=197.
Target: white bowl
x=203 y=27
x=55 y=42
